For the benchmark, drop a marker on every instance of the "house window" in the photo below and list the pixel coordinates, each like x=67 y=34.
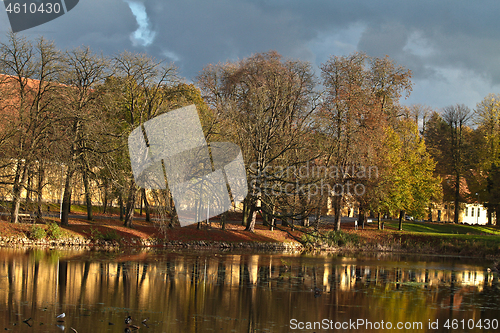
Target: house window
x=466 y=211
x=472 y=212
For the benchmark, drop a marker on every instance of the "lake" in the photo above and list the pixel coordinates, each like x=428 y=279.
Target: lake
x=186 y=291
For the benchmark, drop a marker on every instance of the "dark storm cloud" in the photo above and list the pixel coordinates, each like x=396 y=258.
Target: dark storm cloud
x=452 y=47
x=216 y=31
x=459 y=34
x=452 y=34
x=103 y=25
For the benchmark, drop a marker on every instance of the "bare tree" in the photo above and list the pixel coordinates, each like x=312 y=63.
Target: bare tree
x=85 y=119
x=361 y=97
x=29 y=92
x=457 y=118
x=345 y=103
x=264 y=103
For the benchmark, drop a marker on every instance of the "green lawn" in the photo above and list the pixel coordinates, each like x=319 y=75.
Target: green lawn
x=448 y=238
x=446 y=228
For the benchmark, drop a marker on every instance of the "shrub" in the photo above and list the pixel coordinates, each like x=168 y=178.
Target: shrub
x=108 y=236
x=330 y=238
x=310 y=238
x=54 y=231
x=111 y=235
x=341 y=238
x=37 y=233
x=95 y=234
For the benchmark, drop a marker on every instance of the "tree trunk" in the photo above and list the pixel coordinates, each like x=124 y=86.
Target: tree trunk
x=284 y=219
x=140 y=204
x=223 y=220
x=401 y=218
x=174 y=218
x=265 y=218
x=379 y=224
x=457 y=198
x=41 y=176
x=129 y=211
x=318 y=218
x=305 y=221
x=251 y=226
x=247 y=207
x=273 y=219
x=146 y=205
x=29 y=186
x=66 y=204
x=105 y=199
x=361 y=216
x=105 y=203
x=19 y=180
x=14 y=213
x=337 y=208
x=120 y=203
x=88 y=197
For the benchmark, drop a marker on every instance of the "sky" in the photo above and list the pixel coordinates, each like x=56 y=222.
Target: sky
x=451 y=47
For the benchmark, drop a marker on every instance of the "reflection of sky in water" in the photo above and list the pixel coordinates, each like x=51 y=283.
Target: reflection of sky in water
x=196 y=292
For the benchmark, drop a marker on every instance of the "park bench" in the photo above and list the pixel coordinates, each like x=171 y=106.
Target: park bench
x=26 y=218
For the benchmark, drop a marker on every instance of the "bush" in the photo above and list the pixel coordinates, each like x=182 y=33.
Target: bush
x=95 y=234
x=54 y=231
x=111 y=235
x=108 y=236
x=340 y=238
x=330 y=238
x=37 y=233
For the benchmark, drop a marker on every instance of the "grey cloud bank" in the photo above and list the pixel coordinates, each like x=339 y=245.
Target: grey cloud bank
x=451 y=46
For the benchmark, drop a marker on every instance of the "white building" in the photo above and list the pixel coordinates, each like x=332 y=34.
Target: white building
x=475 y=213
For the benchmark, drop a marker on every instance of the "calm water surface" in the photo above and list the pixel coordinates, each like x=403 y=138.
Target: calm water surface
x=240 y=292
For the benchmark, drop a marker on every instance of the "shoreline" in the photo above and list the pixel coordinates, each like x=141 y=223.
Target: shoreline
x=82 y=244
x=88 y=244
x=110 y=235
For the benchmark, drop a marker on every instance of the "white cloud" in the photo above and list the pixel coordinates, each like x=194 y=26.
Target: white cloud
x=143 y=36
x=336 y=42
x=451 y=86
x=418 y=45
x=171 y=55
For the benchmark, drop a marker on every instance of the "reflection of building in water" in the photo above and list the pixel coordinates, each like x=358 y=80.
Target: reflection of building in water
x=351 y=274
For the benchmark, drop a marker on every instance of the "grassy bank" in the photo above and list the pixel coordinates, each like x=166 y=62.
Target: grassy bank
x=112 y=230
x=417 y=237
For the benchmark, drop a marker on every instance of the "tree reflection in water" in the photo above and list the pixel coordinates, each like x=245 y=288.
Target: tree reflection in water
x=196 y=292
